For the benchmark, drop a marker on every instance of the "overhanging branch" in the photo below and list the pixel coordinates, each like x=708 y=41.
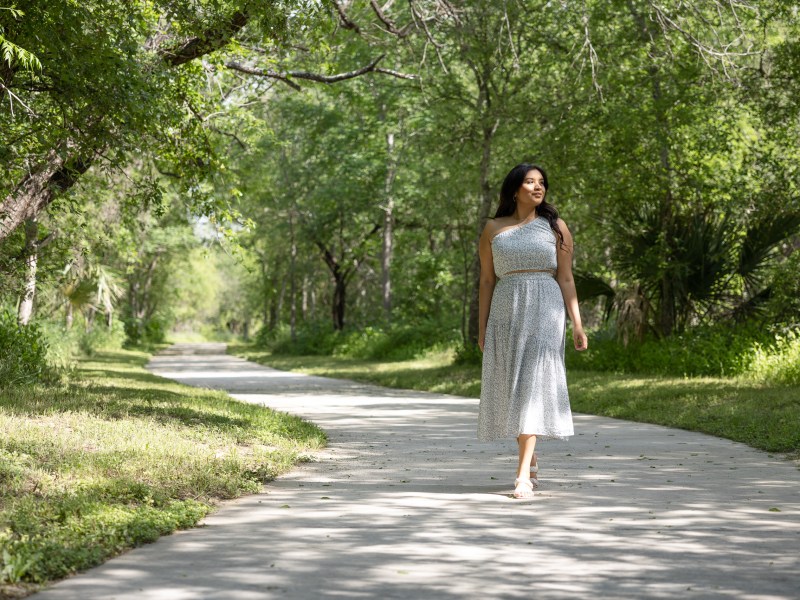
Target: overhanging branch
x=344 y=19
x=288 y=76
x=209 y=41
x=388 y=23
x=284 y=77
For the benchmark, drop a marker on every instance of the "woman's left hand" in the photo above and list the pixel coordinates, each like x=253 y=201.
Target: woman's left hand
x=580 y=339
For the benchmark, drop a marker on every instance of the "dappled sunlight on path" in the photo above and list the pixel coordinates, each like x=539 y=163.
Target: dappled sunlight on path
x=405 y=503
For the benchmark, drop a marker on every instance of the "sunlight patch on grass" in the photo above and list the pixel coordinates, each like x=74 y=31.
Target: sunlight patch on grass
x=118 y=456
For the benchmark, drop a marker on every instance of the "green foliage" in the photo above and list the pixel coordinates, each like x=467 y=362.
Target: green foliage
x=678 y=176
x=145 y=331
x=12 y=54
x=63 y=345
x=711 y=351
x=783 y=305
x=84 y=532
x=398 y=342
x=118 y=457
x=311 y=338
x=468 y=354
x=745 y=350
x=778 y=363
x=23 y=353
x=101 y=337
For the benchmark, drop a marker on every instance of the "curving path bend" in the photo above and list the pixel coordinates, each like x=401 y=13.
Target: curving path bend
x=405 y=503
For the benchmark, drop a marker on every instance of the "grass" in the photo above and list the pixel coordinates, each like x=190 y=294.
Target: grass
x=117 y=457
x=760 y=415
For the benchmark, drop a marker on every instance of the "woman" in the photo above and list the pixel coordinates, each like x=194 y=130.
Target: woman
x=526 y=280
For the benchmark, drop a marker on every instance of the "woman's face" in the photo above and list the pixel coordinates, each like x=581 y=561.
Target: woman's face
x=532 y=189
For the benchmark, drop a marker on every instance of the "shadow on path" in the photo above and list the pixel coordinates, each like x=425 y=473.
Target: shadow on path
x=405 y=503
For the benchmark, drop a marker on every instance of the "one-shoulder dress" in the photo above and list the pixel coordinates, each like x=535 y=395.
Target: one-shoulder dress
x=523 y=381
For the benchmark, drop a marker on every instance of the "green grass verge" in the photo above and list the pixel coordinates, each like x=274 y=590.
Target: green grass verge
x=118 y=457
x=762 y=416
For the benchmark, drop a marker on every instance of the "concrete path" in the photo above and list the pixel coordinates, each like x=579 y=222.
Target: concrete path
x=405 y=503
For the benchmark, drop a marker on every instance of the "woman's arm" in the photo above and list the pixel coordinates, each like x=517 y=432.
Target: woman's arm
x=567 y=285
x=487 y=281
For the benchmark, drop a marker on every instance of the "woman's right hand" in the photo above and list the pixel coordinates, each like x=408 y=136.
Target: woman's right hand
x=481 y=340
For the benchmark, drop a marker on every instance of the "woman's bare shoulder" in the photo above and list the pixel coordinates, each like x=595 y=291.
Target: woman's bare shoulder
x=493 y=226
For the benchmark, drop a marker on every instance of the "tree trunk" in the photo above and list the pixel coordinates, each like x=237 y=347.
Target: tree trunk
x=466 y=254
x=387 y=249
x=341 y=276
x=90 y=314
x=339 y=302
x=487 y=199
x=31 y=262
x=147 y=303
x=304 y=303
x=292 y=281
x=666 y=290
x=38 y=188
x=273 y=313
x=264 y=289
x=274 y=297
x=281 y=297
x=140 y=304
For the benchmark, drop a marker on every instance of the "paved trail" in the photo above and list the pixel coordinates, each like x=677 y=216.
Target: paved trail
x=405 y=503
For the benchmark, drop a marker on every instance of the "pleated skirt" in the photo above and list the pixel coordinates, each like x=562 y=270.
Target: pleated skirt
x=523 y=380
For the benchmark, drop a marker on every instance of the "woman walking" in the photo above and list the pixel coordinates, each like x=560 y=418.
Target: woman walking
x=526 y=281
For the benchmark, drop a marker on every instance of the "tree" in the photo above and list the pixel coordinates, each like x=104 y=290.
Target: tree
x=115 y=87
x=672 y=159
x=498 y=66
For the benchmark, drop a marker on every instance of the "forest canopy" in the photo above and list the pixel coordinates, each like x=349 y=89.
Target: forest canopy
x=315 y=174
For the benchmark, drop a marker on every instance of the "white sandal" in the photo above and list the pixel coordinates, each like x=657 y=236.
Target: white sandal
x=535 y=467
x=523 y=488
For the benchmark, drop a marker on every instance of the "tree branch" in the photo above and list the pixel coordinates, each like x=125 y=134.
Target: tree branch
x=395 y=73
x=205 y=43
x=357 y=260
x=345 y=21
x=329 y=258
x=287 y=76
x=418 y=18
x=235 y=137
x=284 y=77
x=388 y=23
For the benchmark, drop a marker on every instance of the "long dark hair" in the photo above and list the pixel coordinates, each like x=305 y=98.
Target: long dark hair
x=508 y=204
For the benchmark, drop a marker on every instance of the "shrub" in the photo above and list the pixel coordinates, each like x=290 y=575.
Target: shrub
x=469 y=354
x=62 y=344
x=23 y=352
x=102 y=337
x=398 y=342
x=721 y=350
x=311 y=339
x=144 y=331
x=779 y=363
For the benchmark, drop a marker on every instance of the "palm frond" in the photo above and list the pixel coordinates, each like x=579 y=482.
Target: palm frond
x=761 y=240
x=591 y=286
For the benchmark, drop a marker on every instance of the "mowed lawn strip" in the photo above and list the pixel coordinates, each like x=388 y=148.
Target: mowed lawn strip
x=762 y=416
x=119 y=457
